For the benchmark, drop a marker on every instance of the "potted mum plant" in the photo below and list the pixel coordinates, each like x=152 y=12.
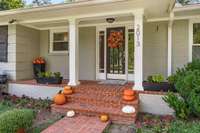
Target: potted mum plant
x=157 y=83
x=38 y=66
x=49 y=78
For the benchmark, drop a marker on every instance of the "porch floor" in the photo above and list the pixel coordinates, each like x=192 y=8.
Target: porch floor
x=91 y=99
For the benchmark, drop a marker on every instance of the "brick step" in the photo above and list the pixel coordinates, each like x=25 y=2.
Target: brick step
x=102 y=90
x=99 y=100
x=115 y=114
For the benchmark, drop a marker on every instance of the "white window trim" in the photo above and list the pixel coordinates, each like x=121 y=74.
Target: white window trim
x=191 y=43
x=52 y=31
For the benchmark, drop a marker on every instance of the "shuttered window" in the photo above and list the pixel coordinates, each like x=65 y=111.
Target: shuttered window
x=3 y=43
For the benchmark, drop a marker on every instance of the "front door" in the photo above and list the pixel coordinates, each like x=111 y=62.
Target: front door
x=115 y=53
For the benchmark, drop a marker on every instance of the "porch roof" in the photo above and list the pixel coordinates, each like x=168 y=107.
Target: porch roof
x=187 y=11
x=87 y=8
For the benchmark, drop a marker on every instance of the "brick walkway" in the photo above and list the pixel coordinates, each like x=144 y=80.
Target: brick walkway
x=78 y=124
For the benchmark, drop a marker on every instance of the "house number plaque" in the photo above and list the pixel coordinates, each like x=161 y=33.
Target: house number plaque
x=138 y=35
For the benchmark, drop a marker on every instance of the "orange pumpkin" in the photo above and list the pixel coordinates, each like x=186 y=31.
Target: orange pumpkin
x=21 y=130
x=60 y=99
x=67 y=91
x=67 y=87
x=104 y=118
x=129 y=92
x=128 y=98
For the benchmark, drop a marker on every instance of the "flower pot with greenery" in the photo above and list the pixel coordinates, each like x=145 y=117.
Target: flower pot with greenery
x=38 y=66
x=156 y=83
x=49 y=78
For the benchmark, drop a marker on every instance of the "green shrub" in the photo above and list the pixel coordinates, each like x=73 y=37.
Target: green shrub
x=12 y=120
x=187 y=84
x=184 y=127
x=156 y=78
x=178 y=104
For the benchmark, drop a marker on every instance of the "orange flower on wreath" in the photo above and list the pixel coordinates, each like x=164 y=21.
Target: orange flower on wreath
x=115 y=39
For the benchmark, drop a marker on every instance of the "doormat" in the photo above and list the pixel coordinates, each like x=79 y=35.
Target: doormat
x=113 y=82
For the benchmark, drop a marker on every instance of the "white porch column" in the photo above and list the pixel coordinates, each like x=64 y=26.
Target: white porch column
x=169 y=49
x=73 y=53
x=138 y=61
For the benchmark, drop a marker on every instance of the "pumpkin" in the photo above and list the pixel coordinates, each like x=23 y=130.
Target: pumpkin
x=104 y=118
x=70 y=114
x=60 y=98
x=129 y=92
x=67 y=90
x=128 y=98
x=67 y=87
x=21 y=130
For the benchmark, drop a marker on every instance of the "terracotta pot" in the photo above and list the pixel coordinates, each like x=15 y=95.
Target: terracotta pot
x=21 y=130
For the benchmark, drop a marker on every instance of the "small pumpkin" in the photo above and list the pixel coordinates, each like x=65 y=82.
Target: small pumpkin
x=104 y=118
x=129 y=92
x=128 y=98
x=21 y=130
x=67 y=87
x=67 y=90
x=60 y=98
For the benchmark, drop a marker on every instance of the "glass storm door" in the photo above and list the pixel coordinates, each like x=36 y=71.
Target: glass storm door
x=115 y=62
x=116 y=53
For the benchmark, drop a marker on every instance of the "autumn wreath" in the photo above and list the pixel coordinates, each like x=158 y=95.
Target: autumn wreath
x=115 y=39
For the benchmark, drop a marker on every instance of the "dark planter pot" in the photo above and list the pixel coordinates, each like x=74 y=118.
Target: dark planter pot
x=3 y=79
x=163 y=86
x=38 y=68
x=51 y=80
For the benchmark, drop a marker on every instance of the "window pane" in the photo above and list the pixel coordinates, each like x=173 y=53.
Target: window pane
x=196 y=33
x=61 y=36
x=3 y=43
x=101 y=51
x=60 y=46
x=131 y=51
x=196 y=52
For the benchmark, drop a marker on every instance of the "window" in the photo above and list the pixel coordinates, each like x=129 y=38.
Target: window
x=59 y=41
x=131 y=51
x=3 y=43
x=196 y=41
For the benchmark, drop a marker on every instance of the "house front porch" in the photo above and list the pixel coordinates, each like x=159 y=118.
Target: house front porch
x=91 y=98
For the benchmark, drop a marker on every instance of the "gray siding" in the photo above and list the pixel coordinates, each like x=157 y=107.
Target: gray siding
x=180 y=49
x=60 y=62
x=10 y=67
x=87 y=62
x=155 y=49
x=55 y=62
x=27 y=49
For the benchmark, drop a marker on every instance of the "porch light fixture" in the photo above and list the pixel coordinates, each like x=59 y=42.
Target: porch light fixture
x=110 y=20
x=12 y=21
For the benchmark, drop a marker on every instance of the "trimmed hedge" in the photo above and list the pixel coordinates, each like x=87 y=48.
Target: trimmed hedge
x=12 y=120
